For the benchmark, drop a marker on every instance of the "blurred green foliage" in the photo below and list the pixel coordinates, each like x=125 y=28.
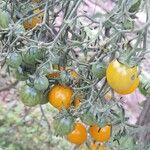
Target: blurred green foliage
x=27 y=132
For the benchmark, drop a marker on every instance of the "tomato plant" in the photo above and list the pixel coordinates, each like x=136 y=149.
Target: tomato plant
x=4 y=19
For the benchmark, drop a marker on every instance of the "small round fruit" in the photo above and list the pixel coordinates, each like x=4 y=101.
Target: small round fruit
x=41 y=83
x=14 y=60
x=100 y=134
x=31 y=23
x=32 y=55
x=4 y=19
x=76 y=102
x=99 y=70
x=30 y=96
x=54 y=75
x=45 y=69
x=60 y=96
x=78 y=135
x=74 y=75
x=121 y=77
x=63 y=126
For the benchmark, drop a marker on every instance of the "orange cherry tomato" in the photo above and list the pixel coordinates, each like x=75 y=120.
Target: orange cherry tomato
x=74 y=75
x=100 y=134
x=122 y=78
x=60 y=96
x=78 y=135
x=31 y=23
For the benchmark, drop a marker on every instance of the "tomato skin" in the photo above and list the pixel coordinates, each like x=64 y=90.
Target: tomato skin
x=41 y=83
x=30 y=96
x=60 y=96
x=122 y=78
x=43 y=100
x=63 y=126
x=100 y=134
x=4 y=19
x=78 y=135
x=14 y=60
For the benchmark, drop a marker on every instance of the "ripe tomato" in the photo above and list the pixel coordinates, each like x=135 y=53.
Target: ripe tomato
x=41 y=83
x=100 y=134
x=78 y=135
x=29 y=24
x=14 y=60
x=121 y=77
x=30 y=96
x=63 y=126
x=4 y=19
x=60 y=96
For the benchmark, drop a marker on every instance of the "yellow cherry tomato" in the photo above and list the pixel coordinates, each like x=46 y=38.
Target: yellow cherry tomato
x=60 y=96
x=78 y=135
x=100 y=134
x=31 y=23
x=122 y=78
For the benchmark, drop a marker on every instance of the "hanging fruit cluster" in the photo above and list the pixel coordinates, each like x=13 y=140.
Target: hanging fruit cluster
x=55 y=68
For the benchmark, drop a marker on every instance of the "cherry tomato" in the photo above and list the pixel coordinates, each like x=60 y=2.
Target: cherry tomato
x=32 y=55
x=74 y=75
x=99 y=70
x=60 y=96
x=20 y=74
x=100 y=134
x=30 y=96
x=76 y=102
x=54 y=74
x=29 y=24
x=41 y=83
x=14 y=60
x=121 y=77
x=63 y=126
x=78 y=135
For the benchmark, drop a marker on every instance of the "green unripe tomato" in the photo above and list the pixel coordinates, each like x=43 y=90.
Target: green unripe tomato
x=30 y=96
x=45 y=69
x=14 y=60
x=63 y=126
x=99 y=70
x=41 y=83
x=20 y=74
x=32 y=55
x=4 y=19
